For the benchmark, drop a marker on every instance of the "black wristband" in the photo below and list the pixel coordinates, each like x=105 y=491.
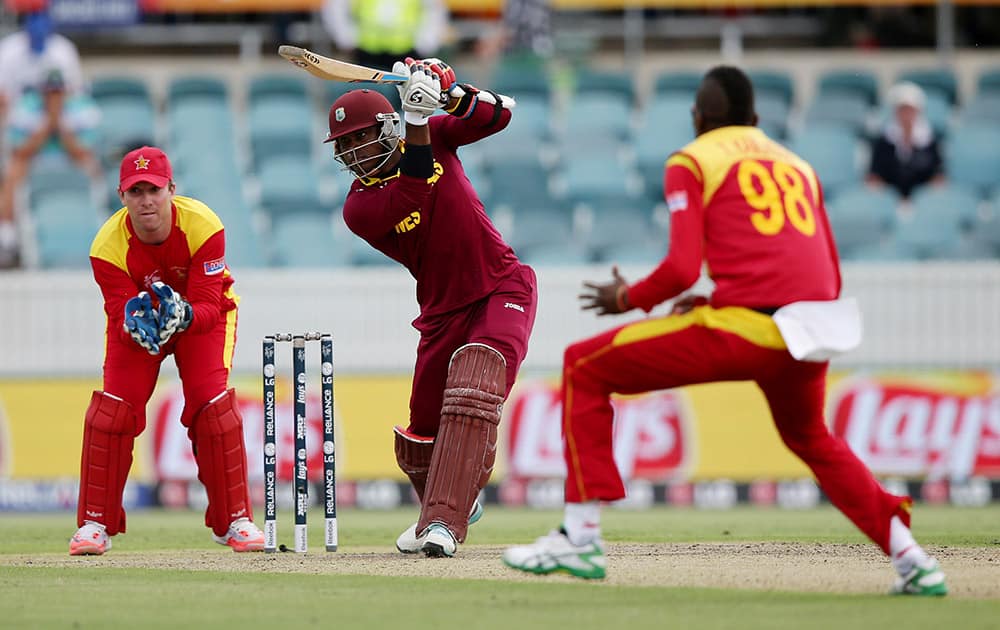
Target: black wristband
x=417 y=161
x=497 y=109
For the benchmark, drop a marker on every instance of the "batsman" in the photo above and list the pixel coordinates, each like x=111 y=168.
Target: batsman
x=161 y=267
x=412 y=201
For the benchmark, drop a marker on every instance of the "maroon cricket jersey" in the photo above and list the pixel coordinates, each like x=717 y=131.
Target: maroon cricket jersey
x=437 y=228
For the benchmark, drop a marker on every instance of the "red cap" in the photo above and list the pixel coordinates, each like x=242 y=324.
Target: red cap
x=146 y=164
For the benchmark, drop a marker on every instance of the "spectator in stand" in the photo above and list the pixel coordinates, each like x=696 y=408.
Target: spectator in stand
x=383 y=32
x=524 y=32
x=907 y=154
x=27 y=56
x=45 y=126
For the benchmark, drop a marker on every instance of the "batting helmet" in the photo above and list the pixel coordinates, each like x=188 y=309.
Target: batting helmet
x=358 y=109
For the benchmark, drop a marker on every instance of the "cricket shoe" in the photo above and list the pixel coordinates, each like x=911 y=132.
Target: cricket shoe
x=90 y=540
x=927 y=580
x=554 y=552
x=409 y=542
x=242 y=536
x=438 y=541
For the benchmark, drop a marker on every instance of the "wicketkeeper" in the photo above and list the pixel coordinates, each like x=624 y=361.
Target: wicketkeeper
x=161 y=266
x=413 y=202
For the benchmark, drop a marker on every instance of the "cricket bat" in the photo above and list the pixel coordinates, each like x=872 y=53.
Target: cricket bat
x=335 y=70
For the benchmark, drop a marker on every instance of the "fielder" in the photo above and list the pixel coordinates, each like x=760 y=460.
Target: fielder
x=412 y=201
x=754 y=212
x=148 y=255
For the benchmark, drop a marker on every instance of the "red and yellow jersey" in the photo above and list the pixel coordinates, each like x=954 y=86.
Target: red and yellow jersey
x=753 y=211
x=192 y=261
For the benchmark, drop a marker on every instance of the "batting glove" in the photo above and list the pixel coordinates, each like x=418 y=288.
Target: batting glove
x=175 y=313
x=421 y=94
x=443 y=71
x=142 y=322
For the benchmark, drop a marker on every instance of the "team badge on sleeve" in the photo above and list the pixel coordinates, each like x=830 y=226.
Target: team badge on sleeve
x=213 y=267
x=677 y=201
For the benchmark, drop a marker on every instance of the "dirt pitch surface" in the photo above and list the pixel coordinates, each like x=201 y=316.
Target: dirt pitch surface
x=973 y=573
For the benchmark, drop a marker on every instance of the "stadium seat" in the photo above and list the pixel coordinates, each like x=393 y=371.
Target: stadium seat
x=606 y=118
x=198 y=87
x=773 y=82
x=939 y=215
x=539 y=225
x=854 y=83
x=288 y=185
x=973 y=156
x=830 y=149
x=107 y=87
x=862 y=218
x=64 y=223
x=126 y=122
x=664 y=127
x=952 y=200
x=44 y=181
x=532 y=115
x=988 y=81
x=280 y=125
x=986 y=228
x=939 y=114
x=772 y=111
x=608 y=82
x=244 y=248
x=983 y=108
x=939 y=81
x=840 y=108
x=204 y=122
x=526 y=136
x=614 y=222
x=519 y=80
x=518 y=182
x=307 y=241
x=682 y=85
x=594 y=176
x=282 y=85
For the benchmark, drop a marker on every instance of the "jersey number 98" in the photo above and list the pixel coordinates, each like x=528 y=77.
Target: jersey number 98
x=776 y=194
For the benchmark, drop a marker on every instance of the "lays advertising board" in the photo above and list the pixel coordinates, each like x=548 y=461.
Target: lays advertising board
x=920 y=427
x=915 y=426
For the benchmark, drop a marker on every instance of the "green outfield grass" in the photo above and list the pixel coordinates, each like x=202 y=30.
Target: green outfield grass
x=96 y=596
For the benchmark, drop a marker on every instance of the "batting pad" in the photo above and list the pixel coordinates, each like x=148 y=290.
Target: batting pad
x=466 y=449
x=222 y=461
x=109 y=430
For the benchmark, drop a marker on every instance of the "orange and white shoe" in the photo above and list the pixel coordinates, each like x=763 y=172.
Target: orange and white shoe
x=89 y=540
x=242 y=536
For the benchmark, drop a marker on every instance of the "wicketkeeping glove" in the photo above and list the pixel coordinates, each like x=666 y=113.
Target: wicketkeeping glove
x=142 y=322
x=175 y=313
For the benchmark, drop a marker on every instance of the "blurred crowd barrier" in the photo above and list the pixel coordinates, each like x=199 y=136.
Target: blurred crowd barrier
x=916 y=316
